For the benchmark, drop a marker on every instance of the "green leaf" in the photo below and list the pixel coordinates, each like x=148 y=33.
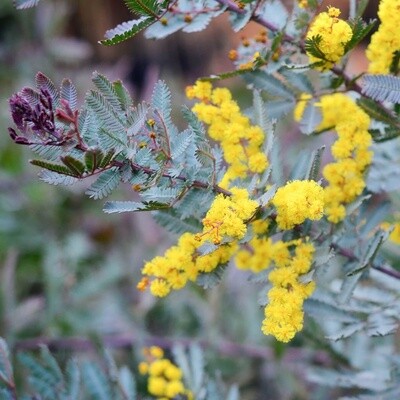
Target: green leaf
x=346 y=332
x=106 y=115
x=377 y=112
x=51 y=363
x=374 y=244
x=127 y=383
x=105 y=184
x=321 y=309
x=123 y=95
x=93 y=159
x=107 y=159
x=72 y=379
x=106 y=88
x=149 y=8
x=211 y=279
x=196 y=360
x=311 y=118
x=76 y=166
x=181 y=143
x=96 y=382
x=315 y=164
x=273 y=86
x=381 y=88
x=23 y=4
x=111 y=207
x=126 y=30
x=54 y=178
x=173 y=222
x=60 y=169
x=279 y=108
x=68 y=93
x=298 y=79
x=360 y=31
x=389 y=133
x=233 y=393
x=311 y=45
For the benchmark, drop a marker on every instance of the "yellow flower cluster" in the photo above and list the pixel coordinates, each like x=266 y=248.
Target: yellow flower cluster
x=165 y=378
x=180 y=264
x=240 y=141
x=297 y=201
x=386 y=40
x=227 y=216
x=284 y=313
x=334 y=33
x=350 y=151
x=226 y=219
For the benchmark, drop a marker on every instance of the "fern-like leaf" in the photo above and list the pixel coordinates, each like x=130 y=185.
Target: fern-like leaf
x=150 y=8
x=60 y=169
x=312 y=46
x=382 y=88
x=104 y=111
x=360 y=31
x=45 y=83
x=105 y=184
x=68 y=93
x=111 y=207
x=54 y=178
x=76 y=166
x=377 y=112
x=106 y=88
x=126 y=30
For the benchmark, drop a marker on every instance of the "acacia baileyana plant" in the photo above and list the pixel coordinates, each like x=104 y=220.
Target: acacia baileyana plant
x=315 y=237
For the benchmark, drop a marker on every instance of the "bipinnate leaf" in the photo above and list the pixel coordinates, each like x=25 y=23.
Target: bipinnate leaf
x=60 y=169
x=211 y=279
x=378 y=112
x=197 y=365
x=45 y=83
x=93 y=159
x=126 y=30
x=171 y=220
x=76 y=166
x=382 y=88
x=106 y=88
x=127 y=383
x=95 y=382
x=374 y=244
x=273 y=86
x=111 y=207
x=105 y=184
x=360 y=30
x=315 y=164
x=144 y=7
x=69 y=94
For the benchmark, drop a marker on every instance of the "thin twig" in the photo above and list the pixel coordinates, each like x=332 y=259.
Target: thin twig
x=223 y=347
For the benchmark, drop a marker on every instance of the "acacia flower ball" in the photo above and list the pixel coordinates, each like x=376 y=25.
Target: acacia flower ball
x=297 y=201
x=334 y=33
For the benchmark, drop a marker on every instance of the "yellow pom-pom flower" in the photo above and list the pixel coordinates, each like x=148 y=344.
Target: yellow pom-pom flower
x=284 y=314
x=297 y=201
x=164 y=377
x=334 y=34
x=386 y=40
